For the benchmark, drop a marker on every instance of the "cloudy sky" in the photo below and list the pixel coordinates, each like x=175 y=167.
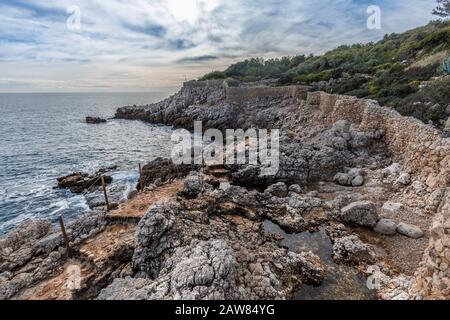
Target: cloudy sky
x=144 y=45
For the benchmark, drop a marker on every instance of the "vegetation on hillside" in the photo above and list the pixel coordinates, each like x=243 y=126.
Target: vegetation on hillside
x=391 y=71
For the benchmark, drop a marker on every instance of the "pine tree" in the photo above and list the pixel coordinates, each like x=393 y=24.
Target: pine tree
x=443 y=8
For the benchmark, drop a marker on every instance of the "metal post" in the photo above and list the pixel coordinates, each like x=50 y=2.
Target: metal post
x=105 y=193
x=66 y=238
x=140 y=178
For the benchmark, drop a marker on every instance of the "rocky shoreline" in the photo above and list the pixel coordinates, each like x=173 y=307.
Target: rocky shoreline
x=373 y=184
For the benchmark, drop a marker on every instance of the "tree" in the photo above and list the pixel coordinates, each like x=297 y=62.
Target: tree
x=443 y=8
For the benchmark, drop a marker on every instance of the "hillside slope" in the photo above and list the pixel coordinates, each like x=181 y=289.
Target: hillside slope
x=395 y=71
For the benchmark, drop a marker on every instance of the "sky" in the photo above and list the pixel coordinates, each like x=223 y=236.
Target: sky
x=149 y=45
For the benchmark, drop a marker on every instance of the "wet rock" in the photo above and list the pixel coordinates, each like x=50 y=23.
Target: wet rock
x=386 y=227
x=352 y=250
x=78 y=182
x=95 y=120
x=361 y=213
x=279 y=190
x=410 y=231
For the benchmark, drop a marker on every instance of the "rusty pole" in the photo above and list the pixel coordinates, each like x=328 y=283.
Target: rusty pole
x=105 y=193
x=140 y=177
x=66 y=238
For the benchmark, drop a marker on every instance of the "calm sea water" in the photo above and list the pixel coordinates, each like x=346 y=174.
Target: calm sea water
x=44 y=136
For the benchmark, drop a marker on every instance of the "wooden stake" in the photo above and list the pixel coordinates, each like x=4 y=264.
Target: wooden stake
x=66 y=238
x=140 y=177
x=105 y=193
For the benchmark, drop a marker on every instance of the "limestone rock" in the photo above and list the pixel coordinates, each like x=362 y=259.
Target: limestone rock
x=193 y=185
x=362 y=213
x=279 y=190
x=404 y=179
x=392 y=207
x=358 y=181
x=410 y=231
x=154 y=237
x=295 y=188
x=351 y=249
x=386 y=227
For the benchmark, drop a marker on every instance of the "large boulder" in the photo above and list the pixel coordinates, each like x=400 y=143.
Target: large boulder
x=78 y=182
x=361 y=213
x=154 y=237
x=202 y=270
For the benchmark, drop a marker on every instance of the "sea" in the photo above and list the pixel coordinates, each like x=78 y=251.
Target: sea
x=44 y=136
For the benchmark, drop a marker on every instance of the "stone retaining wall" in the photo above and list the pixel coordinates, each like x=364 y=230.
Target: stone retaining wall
x=417 y=146
x=204 y=84
x=240 y=94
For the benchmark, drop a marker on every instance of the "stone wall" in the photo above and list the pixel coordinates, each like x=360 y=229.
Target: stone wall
x=241 y=94
x=204 y=84
x=433 y=277
x=417 y=146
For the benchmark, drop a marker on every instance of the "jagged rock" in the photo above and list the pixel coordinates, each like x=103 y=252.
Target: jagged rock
x=279 y=190
x=410 y=231
x=362 y=213
x=193 y=185
x=295 y=188
x=17 y=247
x=95 y=120
x=386 y=227
x=154 y=237
x=352 y=250
x=162 y=170
x=78 y=182
x=209 y=270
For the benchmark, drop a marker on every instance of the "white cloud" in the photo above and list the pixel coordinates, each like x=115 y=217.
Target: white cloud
x=137 y=44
